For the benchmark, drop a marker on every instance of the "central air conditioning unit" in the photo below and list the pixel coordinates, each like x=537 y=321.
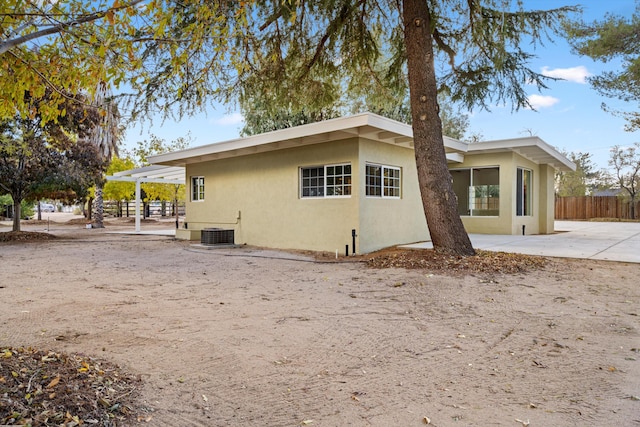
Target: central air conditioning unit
x=217 y=236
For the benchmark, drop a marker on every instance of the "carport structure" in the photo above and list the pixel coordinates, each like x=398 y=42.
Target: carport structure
x=155 y=173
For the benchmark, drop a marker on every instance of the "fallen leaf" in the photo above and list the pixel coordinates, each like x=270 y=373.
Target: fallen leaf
x=54 y=382
x=426 y=420
x=306 y=422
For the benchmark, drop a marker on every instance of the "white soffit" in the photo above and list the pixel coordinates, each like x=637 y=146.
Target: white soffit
x=366 y=125
x=532 y=148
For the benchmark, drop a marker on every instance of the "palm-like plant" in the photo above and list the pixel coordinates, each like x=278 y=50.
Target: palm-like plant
x=106 y=138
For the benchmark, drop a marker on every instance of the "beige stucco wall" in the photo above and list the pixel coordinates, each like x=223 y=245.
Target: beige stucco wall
x=547 y=200
x=264 y=190
x=507 y=222
x=386 y=221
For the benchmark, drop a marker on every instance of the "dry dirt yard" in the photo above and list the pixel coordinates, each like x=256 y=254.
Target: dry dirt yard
x=251 y=337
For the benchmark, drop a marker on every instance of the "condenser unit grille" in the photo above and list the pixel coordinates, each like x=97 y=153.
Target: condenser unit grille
x=216 y=236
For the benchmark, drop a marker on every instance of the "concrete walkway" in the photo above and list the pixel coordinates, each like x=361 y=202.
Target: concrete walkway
x=612 y=241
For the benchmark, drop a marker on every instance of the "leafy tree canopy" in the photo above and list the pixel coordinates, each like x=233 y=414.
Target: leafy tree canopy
x=38 y=157
x=614 y=37
x=579 y=182
x=119 y=190
x=625 y=162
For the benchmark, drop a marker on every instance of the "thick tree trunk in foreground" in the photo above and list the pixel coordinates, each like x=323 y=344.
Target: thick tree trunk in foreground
x=440 y=205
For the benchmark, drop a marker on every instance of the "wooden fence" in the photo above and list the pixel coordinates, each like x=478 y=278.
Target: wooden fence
x=588 y=207
x=127 y=208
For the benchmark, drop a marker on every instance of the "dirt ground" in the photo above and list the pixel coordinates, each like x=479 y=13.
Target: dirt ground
x=251 y=337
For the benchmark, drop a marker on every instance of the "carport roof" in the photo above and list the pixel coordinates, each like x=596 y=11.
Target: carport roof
x=154 y=173
x=365 y=125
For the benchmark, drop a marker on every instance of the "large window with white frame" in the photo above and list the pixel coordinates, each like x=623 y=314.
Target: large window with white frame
x=524 y=178
x=326 y=181
x=382 y=181
x=197 y=188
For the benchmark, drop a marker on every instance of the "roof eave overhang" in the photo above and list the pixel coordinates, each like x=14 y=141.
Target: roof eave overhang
x=366 y=125
x=531 y=148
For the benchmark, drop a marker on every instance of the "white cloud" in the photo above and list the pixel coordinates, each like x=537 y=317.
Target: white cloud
x=542 y=101
x=229 y=120
x=577 y=74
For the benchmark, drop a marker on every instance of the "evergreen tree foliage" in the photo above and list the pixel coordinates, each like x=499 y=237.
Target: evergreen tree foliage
x=613 y=38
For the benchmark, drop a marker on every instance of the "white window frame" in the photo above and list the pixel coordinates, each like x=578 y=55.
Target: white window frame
x=524 y=192
x=197 y=188
x=329 y=182
x=384 y=185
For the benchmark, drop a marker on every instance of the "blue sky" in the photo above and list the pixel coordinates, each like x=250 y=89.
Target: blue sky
x=568 y=115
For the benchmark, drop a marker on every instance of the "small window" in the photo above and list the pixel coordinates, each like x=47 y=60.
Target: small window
x=313 y=182
x=197 y=188
x=382 y=181
x=523 y=192
x=338 y=180
x=326 y=181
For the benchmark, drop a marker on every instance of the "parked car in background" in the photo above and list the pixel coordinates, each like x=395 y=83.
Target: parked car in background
x=47 y=207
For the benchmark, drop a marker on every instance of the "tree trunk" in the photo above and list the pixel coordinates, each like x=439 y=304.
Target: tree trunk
x=175 y=211
x=438 y=199
x=99 y=221
x=17 y=213
x=89 y=215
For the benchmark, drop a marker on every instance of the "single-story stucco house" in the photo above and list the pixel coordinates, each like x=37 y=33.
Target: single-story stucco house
x=314 y=186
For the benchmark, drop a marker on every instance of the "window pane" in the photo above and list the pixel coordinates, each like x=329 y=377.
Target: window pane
x=197 y=188
x=373 y=181
x=338 y=177
x=477 y=191
x=391 y=182
x=312 y=182
x=524 y=206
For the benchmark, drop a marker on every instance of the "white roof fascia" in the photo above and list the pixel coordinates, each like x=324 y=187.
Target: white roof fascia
x=547 y=153
x=153 y=173
x=297 y=132
x=455 y=157
x=146 y=180
x=366 y=125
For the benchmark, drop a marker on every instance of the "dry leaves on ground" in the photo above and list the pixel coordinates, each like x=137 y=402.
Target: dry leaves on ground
x=22 y=236
x=50 y=389
x=483 y=262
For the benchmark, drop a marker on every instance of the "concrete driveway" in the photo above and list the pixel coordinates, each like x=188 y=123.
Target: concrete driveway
x=612 y=241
